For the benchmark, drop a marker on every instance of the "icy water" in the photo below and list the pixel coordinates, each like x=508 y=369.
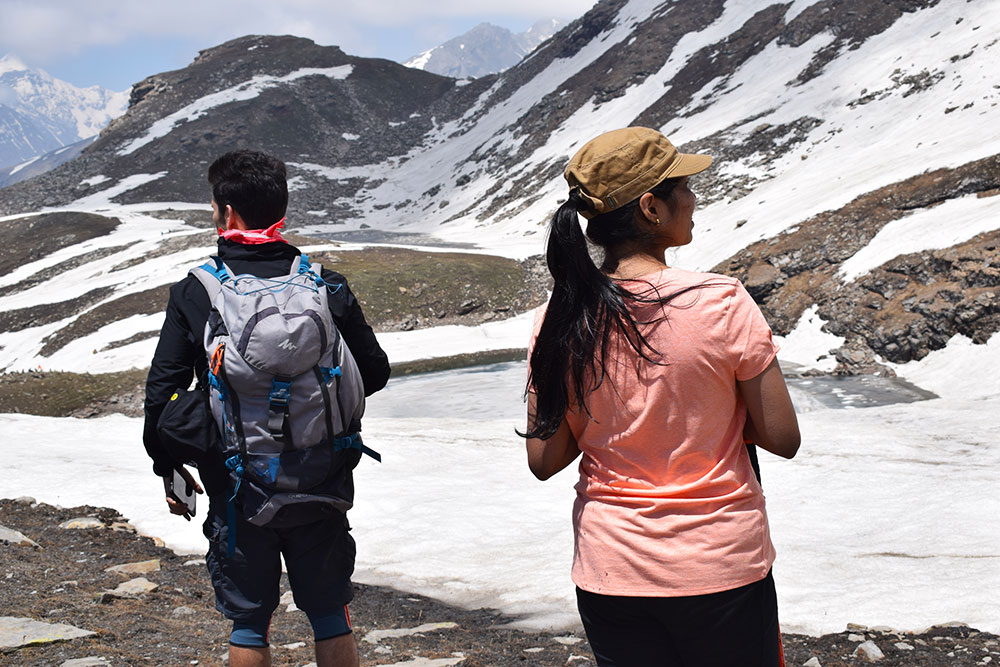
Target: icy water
x=498 y=389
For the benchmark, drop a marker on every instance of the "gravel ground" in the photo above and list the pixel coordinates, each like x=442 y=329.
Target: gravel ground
x=65 y=579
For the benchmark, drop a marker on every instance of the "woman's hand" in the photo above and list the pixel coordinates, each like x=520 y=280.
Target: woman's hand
x=547 y=457
x=771 y=421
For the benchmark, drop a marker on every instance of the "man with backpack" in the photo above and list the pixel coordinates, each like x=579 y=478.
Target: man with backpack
x=284 y=358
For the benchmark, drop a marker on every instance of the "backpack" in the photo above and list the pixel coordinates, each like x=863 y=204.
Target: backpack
x=285 y=391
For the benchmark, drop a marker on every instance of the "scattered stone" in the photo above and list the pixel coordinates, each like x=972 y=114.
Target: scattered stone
x=89 y=661
x=903 y=646
x=25 y=500
x=11 y=536
x=183 y=610
x=383 y=649
x=534 y=649
x=294 y=645
x=129 y=589
x=194 y=561
x=856 y=638
x=288 y=599
x=141 y=567
x=426 y=662
x=123 y=527
x=375 y=636
x=81 y=523
x=854 y=627
x=15 y=632
x=567 y=640
x=812 y=662
x=868 y=652
x=577 y=658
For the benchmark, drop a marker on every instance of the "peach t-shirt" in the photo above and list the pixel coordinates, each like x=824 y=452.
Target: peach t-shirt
x=667 y=502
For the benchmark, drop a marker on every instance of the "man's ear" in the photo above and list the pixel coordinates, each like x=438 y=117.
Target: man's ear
x=233 y=219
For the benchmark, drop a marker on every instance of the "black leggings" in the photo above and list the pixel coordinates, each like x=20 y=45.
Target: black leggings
x=735 y=628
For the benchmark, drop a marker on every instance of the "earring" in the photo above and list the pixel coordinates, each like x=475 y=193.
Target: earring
x=657 y=221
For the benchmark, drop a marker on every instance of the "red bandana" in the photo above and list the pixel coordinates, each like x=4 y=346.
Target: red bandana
x=255 y=236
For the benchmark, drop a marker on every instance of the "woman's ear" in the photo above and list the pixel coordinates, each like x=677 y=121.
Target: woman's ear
x=649 y=209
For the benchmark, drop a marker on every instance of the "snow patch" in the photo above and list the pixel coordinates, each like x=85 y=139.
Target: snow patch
x=961 y=370
x=942 y=226
x=95 y=180
x=808 y=345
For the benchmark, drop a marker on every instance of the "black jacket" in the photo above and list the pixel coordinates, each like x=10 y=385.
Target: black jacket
x=180 y=353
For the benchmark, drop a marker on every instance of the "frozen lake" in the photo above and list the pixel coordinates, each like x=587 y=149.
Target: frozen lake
x=889 y=515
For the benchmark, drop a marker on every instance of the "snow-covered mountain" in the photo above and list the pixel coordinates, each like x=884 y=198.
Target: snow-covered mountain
x=486 y=49
x=854 y=189
x=40 y=114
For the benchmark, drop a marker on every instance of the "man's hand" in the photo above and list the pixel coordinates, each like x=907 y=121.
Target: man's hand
x=175 y=505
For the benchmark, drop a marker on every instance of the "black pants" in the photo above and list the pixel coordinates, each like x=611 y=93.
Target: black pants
x=735 y=628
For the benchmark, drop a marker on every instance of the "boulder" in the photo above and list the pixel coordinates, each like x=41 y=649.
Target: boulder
x=868 y=652
x=11 y=536
x=140 y=567
x=129 y=589
x=81 y=523
x=15 y=632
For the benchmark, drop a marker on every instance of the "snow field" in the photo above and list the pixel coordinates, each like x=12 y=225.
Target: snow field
x=888 y=516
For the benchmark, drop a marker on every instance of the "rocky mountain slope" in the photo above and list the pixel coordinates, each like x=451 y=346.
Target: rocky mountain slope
x=854 y=187
x=40 y=114
x=486 y=49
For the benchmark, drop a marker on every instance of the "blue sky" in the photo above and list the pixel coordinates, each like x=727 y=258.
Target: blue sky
x=115 y=43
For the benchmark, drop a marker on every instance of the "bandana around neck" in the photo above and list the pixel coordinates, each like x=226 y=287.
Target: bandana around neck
x=254 y=236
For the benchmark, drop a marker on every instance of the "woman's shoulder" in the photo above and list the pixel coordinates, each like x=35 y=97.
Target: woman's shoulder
x=685 y=278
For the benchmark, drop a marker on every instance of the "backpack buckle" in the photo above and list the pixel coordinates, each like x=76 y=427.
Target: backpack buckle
x=281 y=392
x=277 y=408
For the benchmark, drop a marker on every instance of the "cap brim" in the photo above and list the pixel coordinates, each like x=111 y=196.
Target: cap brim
x=689 y=164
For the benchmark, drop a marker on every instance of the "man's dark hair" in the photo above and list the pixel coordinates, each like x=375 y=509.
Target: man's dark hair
x=253 y=183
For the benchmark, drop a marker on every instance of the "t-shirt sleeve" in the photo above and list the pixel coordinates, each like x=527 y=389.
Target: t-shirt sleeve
x=751 y=347
x=536 y=327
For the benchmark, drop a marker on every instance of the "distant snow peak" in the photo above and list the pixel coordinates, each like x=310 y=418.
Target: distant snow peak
x=485 y=49
x=42 y=113
x=11 y=63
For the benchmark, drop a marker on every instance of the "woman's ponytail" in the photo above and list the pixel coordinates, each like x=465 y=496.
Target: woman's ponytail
x=565 y=343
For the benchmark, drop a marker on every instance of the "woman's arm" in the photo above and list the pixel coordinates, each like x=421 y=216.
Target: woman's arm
x=771 y=421
x=547 y=457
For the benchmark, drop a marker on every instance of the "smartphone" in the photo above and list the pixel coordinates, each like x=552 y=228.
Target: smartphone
x=183 y=492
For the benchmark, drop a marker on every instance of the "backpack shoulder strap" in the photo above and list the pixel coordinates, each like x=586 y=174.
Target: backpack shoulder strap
x=212 y=274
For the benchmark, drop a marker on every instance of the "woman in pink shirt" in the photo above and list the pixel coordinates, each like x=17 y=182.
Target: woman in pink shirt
x=657 y=376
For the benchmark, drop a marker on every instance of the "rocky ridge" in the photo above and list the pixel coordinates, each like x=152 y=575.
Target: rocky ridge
x=901 y=310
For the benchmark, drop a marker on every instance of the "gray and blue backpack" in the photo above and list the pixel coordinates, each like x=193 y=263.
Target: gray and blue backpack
x=285 y=393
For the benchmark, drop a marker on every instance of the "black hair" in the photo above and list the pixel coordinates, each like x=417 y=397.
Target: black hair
x=255 y=184
x=586 y=307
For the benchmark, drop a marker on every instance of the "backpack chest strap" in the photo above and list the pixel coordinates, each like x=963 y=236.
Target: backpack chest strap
x=277 y=407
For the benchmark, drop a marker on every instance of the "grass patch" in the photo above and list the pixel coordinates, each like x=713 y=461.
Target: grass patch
x=402 y=289
x=61 y=394
x=41 y=235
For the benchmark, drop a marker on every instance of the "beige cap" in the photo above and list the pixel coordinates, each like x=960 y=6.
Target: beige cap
x=619 y=166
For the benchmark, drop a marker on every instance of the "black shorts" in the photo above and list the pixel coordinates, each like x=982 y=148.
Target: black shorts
x=319 y=558
x=735 y=628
